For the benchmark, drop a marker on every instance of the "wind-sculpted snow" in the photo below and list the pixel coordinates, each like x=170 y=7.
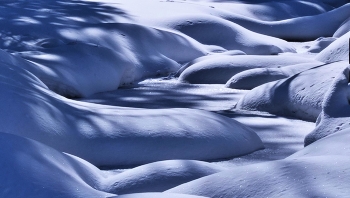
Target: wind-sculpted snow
x=219 y=69
x=336 y=51
x=160 y=176
x=335 y=108
x=116 y=136
x=322 y=176
x=291 y=97
x=252 y=78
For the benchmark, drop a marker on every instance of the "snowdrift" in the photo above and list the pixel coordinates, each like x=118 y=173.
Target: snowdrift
x=335 y=115
x=291 y=97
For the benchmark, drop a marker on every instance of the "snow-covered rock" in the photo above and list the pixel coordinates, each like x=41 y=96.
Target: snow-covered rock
x=298 y=96
x=320 y=44
x=336 y=51
x=77 y=70
x=252 y=78
x=335 y=108
x=218 y=70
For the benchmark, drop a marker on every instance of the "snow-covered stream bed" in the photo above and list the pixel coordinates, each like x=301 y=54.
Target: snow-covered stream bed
x=174 y=98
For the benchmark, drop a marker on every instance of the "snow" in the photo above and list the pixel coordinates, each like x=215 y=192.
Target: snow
x=252 y=78
x=160 y=176
x=91 y=131
x=336 y=51
x=32 y=169
x=219 y=69
x=324 y=176
x=289 y=97
x=333 y=118
x=157 y=195
x=174 y=98
x=343 y=29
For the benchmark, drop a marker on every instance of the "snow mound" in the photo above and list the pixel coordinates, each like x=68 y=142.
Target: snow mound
x=32 y=169
x=291 y=97
x=335 y=108
x=298 y=28
x=115 y=136
x=323 y=176
x=343 y=29
x=159 y=176
x=320 y=44
x=157 y=195
x=229 y=35
x=252 y=78
x=219 y=69
x=77 y=70
x=334 y=144
x=336 y=51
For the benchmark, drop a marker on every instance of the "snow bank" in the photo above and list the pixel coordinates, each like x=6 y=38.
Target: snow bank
x=159 y=176
x=218 y=70
x=336 y=51
x=335 y=115
x=32 y=169
x=291 y=97
x=252 y=78
x=116 y=136
x=325 y=176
